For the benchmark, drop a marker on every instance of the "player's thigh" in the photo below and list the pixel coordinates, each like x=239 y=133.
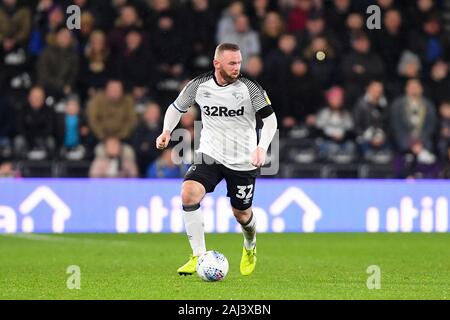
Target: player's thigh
x=240 y=188
x=206 y=175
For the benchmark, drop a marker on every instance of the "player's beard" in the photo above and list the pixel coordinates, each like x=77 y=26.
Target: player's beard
x=227 y=77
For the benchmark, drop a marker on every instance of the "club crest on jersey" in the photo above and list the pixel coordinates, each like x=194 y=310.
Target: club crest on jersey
x=222 y=111
x=238 y=95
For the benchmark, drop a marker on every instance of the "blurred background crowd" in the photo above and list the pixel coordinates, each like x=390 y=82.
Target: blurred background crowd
x=351 y=101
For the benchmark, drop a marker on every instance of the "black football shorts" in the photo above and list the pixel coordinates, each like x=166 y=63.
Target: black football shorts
x=240 y=184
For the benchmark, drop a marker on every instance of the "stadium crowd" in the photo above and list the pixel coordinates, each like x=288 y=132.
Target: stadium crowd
x=344 y=94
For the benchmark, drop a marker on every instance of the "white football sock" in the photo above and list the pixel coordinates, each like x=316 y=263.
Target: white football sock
x=249 y=231
x=193 y=222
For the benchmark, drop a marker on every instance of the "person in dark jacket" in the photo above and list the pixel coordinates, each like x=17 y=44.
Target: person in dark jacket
x=371 y=123
x=135 y=65
x=304 y=97
x=146 y=132
x=277 y=67
x=15 y=24
x=444 y=130
x=35 y=128
x=58 y=65
x=359 y=67
x=6 y=128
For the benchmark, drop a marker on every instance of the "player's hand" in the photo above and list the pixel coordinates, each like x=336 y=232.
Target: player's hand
x=258 y=157
x=163 y=140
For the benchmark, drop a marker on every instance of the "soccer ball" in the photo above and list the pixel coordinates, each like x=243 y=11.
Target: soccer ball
x=212 y=266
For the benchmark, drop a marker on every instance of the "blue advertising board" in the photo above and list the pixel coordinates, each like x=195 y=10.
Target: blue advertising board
x=280 y=205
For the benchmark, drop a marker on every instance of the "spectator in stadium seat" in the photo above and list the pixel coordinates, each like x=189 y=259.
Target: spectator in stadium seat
x=409 y=67
x=202 y=25
x=384 y=5
x=128 y=19
x=113 y=159
x=271 y=30
x=7 y=170
x=431 y=44
x=15 y=27
x=255 y=68
x=15 y=24
x=145 y=134
x=413 y=122
x=135 y=65
x=359 y=67
x=298 y=15
x=371 y=124
x=6 y=129
x=419 y=12
x=47 y=18
x=390 y=41
x=335 y=126
x=35 y=128
x=245 y=37
x=55 y=21
x=439 y=82
x=317 y=27
x=354 y=25
x=95 y=65
x=277 y=66
x=87 y=25
x=444 y=130
x=164 y=167
x=172 y=49
x=257 y=12
x=158 y=8
x=170 y=55
x=304 y=96
x=336 y=14
x=58 y=65
x=111 y=112
x=72 y=131
x=15 y=73
x=322 y=60
x=226 y=21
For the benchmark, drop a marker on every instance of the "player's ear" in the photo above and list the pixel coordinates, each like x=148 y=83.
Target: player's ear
x=216 y=63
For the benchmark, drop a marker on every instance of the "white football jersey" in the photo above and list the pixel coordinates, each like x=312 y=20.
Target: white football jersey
x=228 y=117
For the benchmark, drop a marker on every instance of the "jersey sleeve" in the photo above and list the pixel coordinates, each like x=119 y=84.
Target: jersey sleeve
x=258 y=95
x=186 y=98
x=188 y=95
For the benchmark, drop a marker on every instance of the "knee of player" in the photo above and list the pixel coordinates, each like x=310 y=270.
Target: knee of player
x=190 y=195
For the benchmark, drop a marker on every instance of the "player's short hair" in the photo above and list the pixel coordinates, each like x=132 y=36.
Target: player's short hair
x=225 y=47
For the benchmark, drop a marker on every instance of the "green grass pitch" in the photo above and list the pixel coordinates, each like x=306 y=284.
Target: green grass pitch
x=290 y=266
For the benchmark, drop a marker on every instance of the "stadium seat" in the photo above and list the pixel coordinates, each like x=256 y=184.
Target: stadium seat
x=345 y=171
x=305 y=170
x=73 y=169
x=376 y=171
x=36 y=169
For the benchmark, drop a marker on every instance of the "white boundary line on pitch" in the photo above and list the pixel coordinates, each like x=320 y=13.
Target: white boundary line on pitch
x=43 y=237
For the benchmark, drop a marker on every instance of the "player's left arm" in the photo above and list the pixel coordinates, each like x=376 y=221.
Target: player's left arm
x=268 y=131
x=262 y=106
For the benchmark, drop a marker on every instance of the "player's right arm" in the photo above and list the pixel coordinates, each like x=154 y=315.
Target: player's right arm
x=171 y=120
x=185 y=99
